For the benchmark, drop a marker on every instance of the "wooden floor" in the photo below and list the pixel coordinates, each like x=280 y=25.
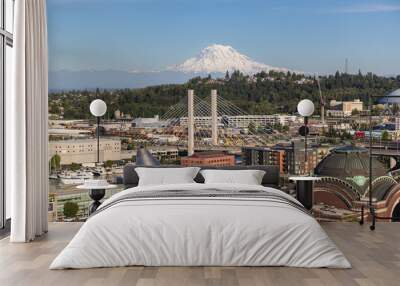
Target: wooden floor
x=375 y=257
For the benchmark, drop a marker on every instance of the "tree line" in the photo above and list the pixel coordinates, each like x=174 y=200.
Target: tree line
x=262 y=93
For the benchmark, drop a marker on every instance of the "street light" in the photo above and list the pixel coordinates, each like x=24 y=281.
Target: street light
x=304 y=184
x=98 y=108
x=305 y=109
x=372 y=208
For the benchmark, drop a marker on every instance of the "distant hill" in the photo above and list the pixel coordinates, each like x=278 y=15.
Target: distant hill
x=262 y=93
x=113 y=79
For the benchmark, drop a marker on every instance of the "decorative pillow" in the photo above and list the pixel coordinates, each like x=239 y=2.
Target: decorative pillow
x=166 y=176
x=247 y=177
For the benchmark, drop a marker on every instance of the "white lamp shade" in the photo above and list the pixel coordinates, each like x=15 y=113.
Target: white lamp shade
x=98 y=107
x=305 y=107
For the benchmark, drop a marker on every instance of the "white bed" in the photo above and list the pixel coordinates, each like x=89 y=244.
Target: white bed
x=202 y=231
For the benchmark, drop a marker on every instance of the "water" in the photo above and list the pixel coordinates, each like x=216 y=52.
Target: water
x=60 y=193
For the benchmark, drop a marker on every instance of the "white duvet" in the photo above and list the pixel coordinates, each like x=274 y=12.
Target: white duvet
x=202 y=232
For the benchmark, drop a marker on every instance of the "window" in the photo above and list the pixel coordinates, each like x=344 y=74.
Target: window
x=6 y=42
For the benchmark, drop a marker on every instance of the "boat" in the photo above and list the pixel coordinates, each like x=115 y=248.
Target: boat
x=75 y=178
x=118 y=170
x=53 y=176
x=98 y=171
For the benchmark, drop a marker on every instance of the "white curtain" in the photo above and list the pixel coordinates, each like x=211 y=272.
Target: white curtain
x=26 y=127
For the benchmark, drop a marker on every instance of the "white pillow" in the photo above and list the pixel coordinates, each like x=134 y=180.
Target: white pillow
x=166 y=176
x=247 y=177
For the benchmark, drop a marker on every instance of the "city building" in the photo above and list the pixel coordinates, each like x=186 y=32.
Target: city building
x=85 y=150
x=120 y=116
x=290 y=157
x=65 y=134
x=61 y=123
x=152 y=122
x=164 y=138
x=120 y=126
x=217 y=159
x=242 y=121
x=391 y=98
x=164 y=153
x=295 y=157
x=344 y=108
x=390 y=127
x=263 y=156
x=322 y=151
x=344 y=185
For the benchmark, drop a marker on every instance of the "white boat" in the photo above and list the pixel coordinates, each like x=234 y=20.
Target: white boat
x=53 y=176
x=118 y=170
x=75 y=178
x=98 y=171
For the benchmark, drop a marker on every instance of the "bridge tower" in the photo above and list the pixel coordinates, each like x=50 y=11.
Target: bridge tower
x=214 y=117
x=190 y=142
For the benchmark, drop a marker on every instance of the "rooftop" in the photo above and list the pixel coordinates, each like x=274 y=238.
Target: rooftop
x=208 y=154
x=77 y=141
x=67 y=131
x=351 y=164
x=349 y=149
x=392 y=97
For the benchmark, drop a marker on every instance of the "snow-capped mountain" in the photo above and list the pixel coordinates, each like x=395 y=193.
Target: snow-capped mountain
x=214 y=60
x=221 y=58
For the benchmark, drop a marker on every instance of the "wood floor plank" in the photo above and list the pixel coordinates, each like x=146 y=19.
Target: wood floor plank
x=375 y=257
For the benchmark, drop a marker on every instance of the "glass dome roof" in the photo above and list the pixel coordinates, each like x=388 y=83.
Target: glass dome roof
x=350 y=164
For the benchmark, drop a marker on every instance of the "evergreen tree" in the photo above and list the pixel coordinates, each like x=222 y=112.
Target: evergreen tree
x=227 y=77
x=274 y=92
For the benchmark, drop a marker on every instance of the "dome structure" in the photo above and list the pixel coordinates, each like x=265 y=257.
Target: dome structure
x=391 y=98
x=350 y=164
x=344 y=185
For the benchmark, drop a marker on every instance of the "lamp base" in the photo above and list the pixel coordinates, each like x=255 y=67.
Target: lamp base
x=96 y=195
x=304 y=193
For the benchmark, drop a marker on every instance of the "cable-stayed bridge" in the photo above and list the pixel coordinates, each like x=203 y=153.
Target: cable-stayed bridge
x=215 y=123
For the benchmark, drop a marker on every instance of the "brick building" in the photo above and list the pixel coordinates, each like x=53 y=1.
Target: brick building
x=217 y=159
x=253 y=156
x=289 y=157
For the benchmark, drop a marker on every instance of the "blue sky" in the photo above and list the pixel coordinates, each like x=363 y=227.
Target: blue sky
x=144 y=35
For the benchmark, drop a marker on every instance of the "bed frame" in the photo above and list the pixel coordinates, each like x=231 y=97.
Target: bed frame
x=270 y=179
